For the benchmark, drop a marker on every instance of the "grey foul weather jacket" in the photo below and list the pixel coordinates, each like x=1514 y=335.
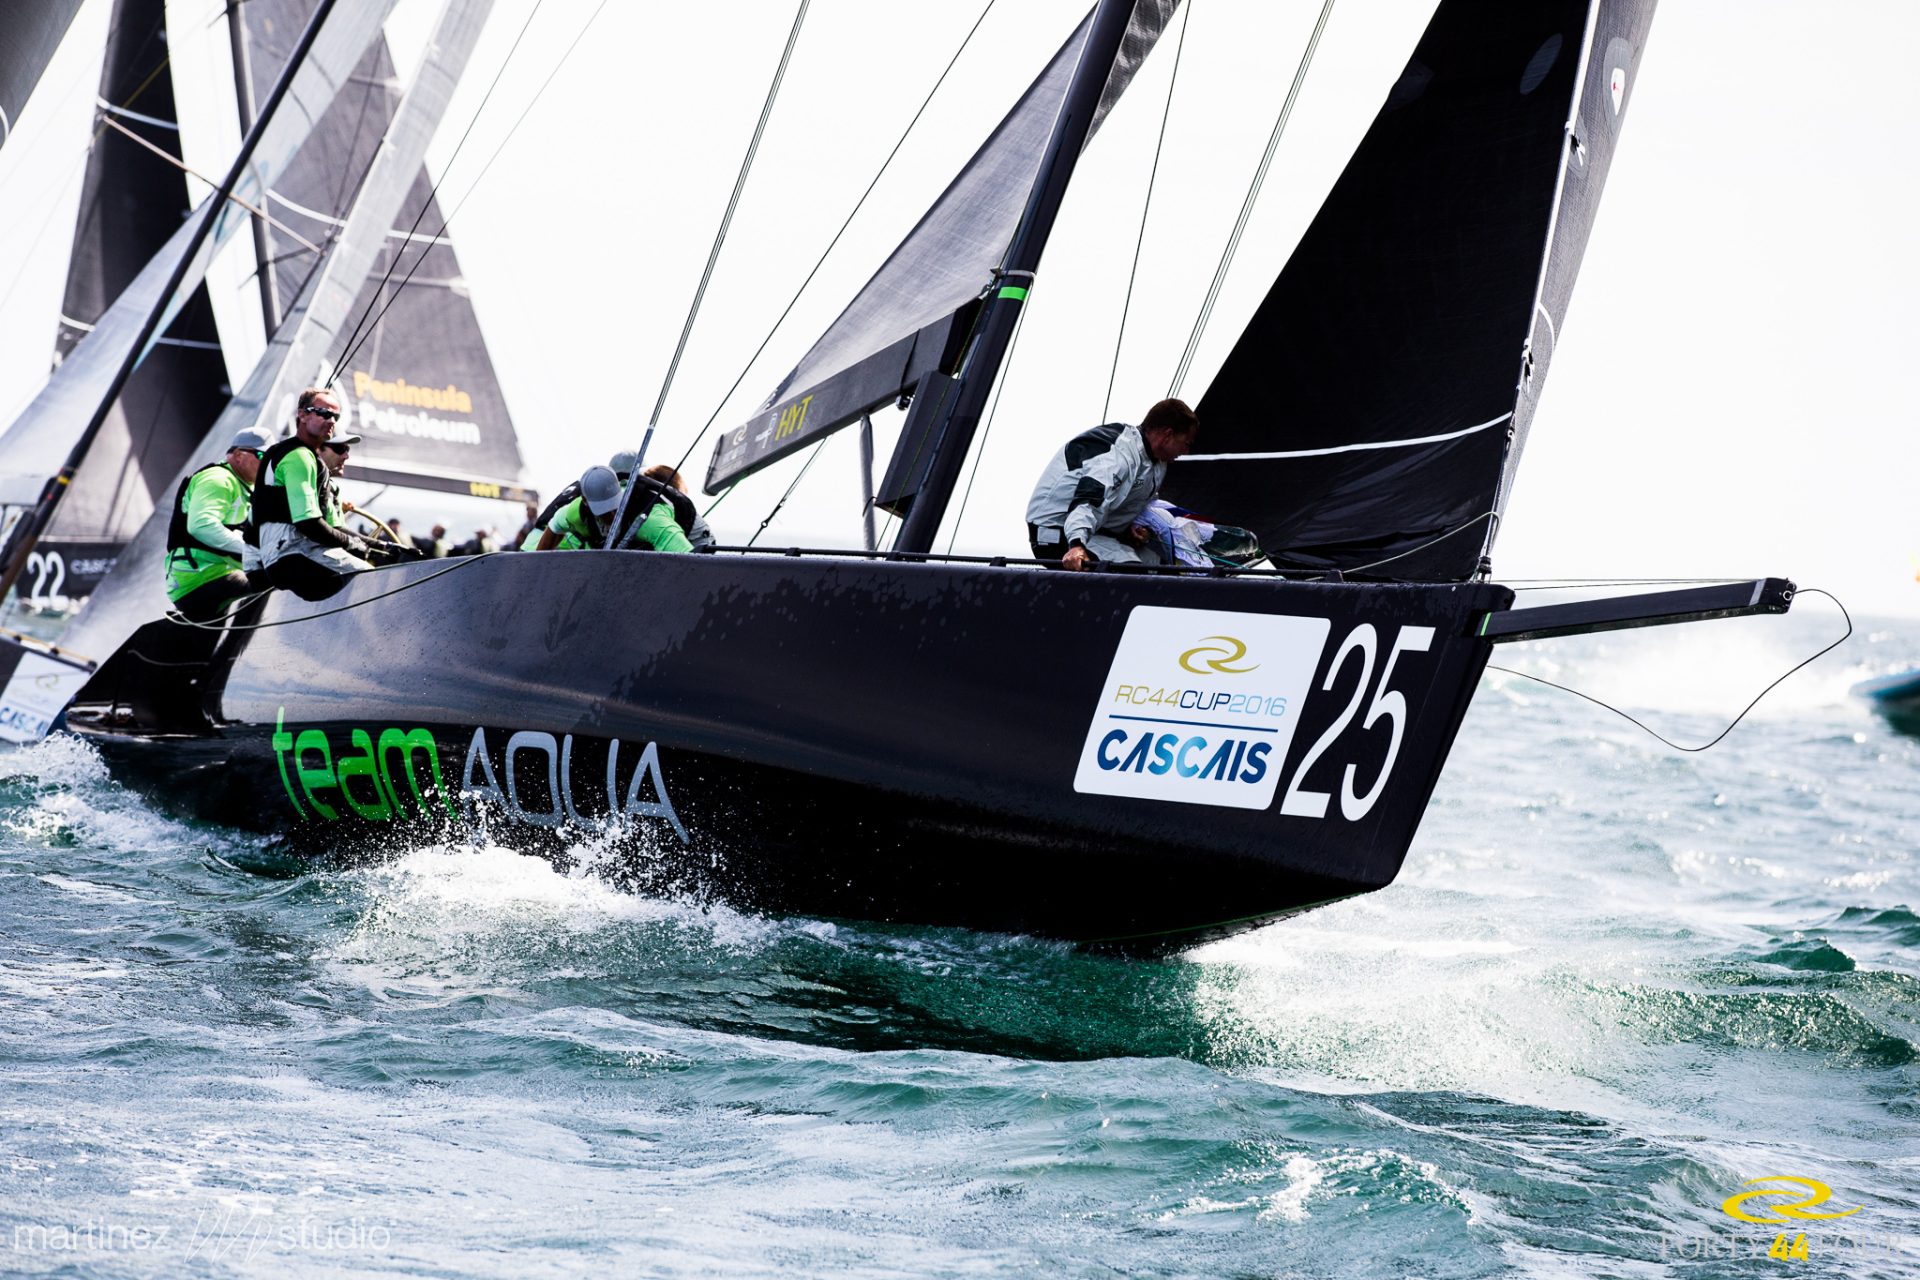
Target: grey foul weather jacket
x=1100 y=482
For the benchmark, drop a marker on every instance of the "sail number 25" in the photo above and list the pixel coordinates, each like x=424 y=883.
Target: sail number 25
x=1387 y=703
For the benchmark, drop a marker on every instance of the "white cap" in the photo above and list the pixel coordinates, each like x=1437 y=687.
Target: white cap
x=252 y=439
x=624 y=462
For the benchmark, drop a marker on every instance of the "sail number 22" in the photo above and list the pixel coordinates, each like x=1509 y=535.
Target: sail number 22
x=1387 y=703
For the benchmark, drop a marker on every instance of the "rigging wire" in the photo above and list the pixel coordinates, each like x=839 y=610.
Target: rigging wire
x=848 y=222
x=1146 y=207
x=1434 y=541
x=1246 y=206
x=355 y=340
x=720 y=237
x=225 y=623
x=811 y=458
x=1715 y=740
x=475 y=185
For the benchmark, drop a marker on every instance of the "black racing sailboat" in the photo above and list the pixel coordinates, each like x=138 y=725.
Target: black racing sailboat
x=422 y=391
x=1134 y=758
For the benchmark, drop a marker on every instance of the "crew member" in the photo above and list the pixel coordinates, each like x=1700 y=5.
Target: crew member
x=581 y=522
x=435 y=546
x=621 y=464
x=1084 y=507
x=529 y=526
x=333 y=453
x=480 y=544
x=205 y=546
x=697 y=531
x=296 y=512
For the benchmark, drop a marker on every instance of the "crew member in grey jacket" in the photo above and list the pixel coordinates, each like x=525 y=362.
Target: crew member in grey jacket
x=1094 y=489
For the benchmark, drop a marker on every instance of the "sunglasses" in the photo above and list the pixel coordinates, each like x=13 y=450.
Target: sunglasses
x=341 y=449
x=331 y=415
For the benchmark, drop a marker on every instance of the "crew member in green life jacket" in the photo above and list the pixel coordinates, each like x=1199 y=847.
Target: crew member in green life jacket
x=302 y=546
x=204 y=543
x=651 y=523
x=621 y=464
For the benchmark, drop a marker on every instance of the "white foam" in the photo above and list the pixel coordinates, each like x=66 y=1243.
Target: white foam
x=471 y=907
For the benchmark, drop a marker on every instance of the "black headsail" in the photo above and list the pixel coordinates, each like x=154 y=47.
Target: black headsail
x=28 y=37
x=1371 y=415
x=131 y=201
x=916 y=314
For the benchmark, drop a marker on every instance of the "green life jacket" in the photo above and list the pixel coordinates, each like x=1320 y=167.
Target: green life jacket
x=180 y=539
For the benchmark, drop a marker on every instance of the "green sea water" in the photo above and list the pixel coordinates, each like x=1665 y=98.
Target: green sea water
x=1613 y=984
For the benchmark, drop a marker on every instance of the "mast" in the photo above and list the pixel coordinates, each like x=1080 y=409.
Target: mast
x=1009 y=291
x=34 y=523
x=264 y=274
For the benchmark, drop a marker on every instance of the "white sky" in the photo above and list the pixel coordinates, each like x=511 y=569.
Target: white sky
x=1727 y=397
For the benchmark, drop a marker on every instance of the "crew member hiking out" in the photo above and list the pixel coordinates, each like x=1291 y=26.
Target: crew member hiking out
x=1093 y=491
x=204 y=543
x=297 y=523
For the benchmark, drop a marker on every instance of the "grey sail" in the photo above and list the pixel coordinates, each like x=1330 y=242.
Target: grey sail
x=913 y=316
x=1371 y=415
x=324 y=303
x=38 y=442
x=28 y=37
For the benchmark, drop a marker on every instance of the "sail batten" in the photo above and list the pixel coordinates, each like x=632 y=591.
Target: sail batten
x=1423 y=300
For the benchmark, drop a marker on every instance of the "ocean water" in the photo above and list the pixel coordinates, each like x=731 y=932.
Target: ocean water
x=1613 y=984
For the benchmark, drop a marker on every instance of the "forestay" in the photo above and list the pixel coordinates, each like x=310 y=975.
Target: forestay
x=913 y=316
x=1371 y=415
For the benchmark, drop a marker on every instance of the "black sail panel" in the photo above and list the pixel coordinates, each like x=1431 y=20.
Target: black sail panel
x=28 y=38
x=919 y=303
x=1364 y=415
x=131 y=202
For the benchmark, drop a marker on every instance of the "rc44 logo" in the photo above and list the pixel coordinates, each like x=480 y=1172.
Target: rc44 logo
x=1783 y=1205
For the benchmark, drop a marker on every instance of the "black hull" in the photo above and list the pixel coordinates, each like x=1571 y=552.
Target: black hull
x=922 y=743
